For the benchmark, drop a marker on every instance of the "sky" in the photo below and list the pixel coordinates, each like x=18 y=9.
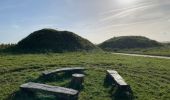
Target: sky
x=95 y=20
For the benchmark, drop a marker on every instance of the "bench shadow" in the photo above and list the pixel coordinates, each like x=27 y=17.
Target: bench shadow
x=53 y=78
x=20 y=95
x=121 y=95
x=116 y=93
x=107 y=82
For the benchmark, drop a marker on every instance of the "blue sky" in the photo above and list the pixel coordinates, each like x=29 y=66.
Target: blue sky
x=96 y=20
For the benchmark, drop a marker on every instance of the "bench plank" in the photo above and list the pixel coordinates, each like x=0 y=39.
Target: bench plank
x=48 y=88
x=117 y=78
x=62 y=70
x=123 y=88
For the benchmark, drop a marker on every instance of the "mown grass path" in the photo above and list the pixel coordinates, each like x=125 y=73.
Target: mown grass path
x=141 y=55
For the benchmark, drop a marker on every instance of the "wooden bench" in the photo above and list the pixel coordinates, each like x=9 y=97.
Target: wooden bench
x=74 y=69
x=123 y=91
x=113 y=76
x=61 y=92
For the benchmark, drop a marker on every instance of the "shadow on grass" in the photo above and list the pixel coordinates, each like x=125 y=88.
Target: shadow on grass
x=53 y=78
x=25 y=95
x=121 y=95
x=116 y=93
x=19 y=95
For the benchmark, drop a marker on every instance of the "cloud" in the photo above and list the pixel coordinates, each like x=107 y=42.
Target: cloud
x=168 y=20
x=93 y=19
x=148 y=18
x=115 y=10
x=143 y=10
x=148 y=12
x=125 y=12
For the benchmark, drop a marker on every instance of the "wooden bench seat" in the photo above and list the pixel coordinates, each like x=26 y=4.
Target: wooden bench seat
x=116 y=77
x=123 y=90
x=113 y=75
x=64 y=93
x=74 y=69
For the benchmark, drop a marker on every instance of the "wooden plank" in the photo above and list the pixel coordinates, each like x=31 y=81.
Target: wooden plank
x=63 y=70
x=48 y=89
x=111 y=71
x=123 y=87
x=117 y=78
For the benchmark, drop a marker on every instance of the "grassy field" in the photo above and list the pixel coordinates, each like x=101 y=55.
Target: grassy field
x=157 y=51
x=149 y=78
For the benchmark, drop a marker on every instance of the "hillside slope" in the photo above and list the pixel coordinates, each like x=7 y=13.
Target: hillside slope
x=127 y=42
x=54 y=40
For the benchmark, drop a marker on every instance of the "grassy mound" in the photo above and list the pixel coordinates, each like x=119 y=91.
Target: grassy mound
x=54 y=40
x=126 y=42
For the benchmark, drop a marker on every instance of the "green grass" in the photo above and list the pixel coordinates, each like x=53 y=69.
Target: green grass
x=126 y=42
x=149 y=78
x=157 y=51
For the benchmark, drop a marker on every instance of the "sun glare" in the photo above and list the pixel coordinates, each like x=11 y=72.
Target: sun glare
x=126 y=1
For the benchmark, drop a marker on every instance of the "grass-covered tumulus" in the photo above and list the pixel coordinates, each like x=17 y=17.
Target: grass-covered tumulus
x=50 y=40
x=148 y=77
x=128 y=42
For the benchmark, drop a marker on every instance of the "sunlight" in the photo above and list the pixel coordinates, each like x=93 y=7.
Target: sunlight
x=126 y=1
